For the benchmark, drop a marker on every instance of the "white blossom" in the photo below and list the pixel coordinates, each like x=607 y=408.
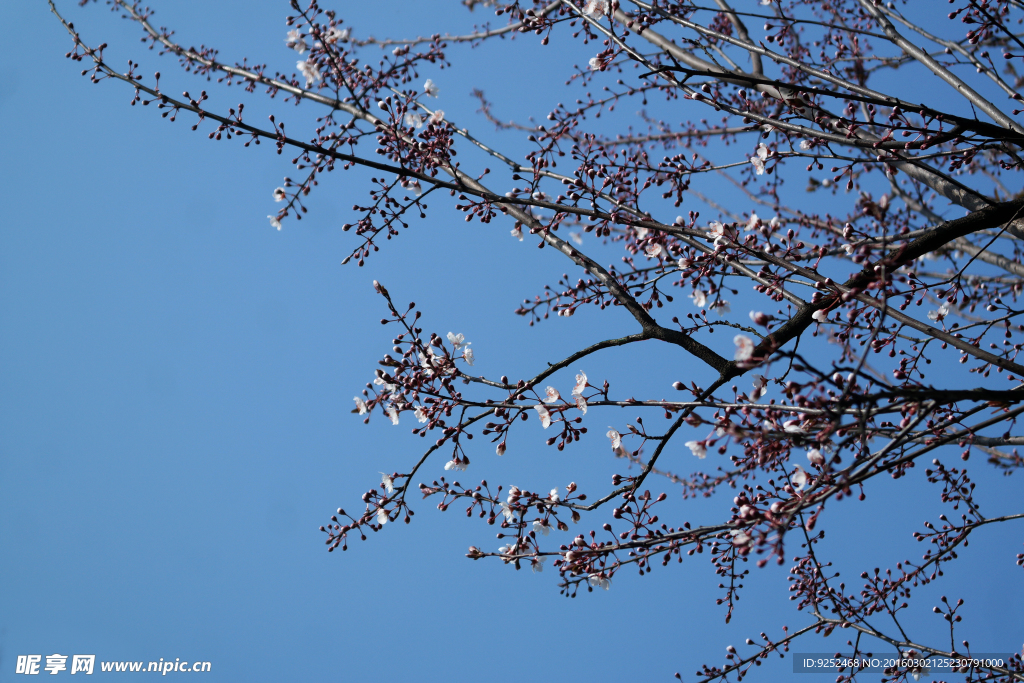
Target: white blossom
x=740 y=538
x=698 y=449
x=760 y=387
x=815 y=457
x=389 y=484
x=653 y=250
x=577 y=238
x=744 y=347
x=598 y=581
x=551 y=395
x=616 y=439
x=274 y=223
x=430 y=88
x=799 y=478
x=360 y=405
x=699 y=298
x=597 y=8
x=793 y=427
x=437 y=117
x=541 y=527
x=716 y=230
x=752 y=222
x=413 y=119
x=553 y=497
x=506 y=510
x=581 y=384
x=393 y=414
x=939 y=314
x=457 y=464
x=595 y=63
x=500 y=450
x=295 y=41
x=538 y=566
x=279 y=195
x=513 y=493
x=805 y=145
x=581 y=403
x=821 y=315
x=420 y=414
x=759 y=158
x=545 y=416
x=456 y=340
x=309 y=71
x=382 y=516
x=721 y=307
x=517 y=232
x=468 y=355
x=334 y=35
x=387 y=386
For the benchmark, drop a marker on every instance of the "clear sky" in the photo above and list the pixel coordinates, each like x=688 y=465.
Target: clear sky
x=176 y=379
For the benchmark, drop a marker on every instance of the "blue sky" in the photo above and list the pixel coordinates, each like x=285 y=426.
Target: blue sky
x=177 y=379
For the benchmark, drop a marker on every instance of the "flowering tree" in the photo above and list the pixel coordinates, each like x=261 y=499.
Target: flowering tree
x=877 y=145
